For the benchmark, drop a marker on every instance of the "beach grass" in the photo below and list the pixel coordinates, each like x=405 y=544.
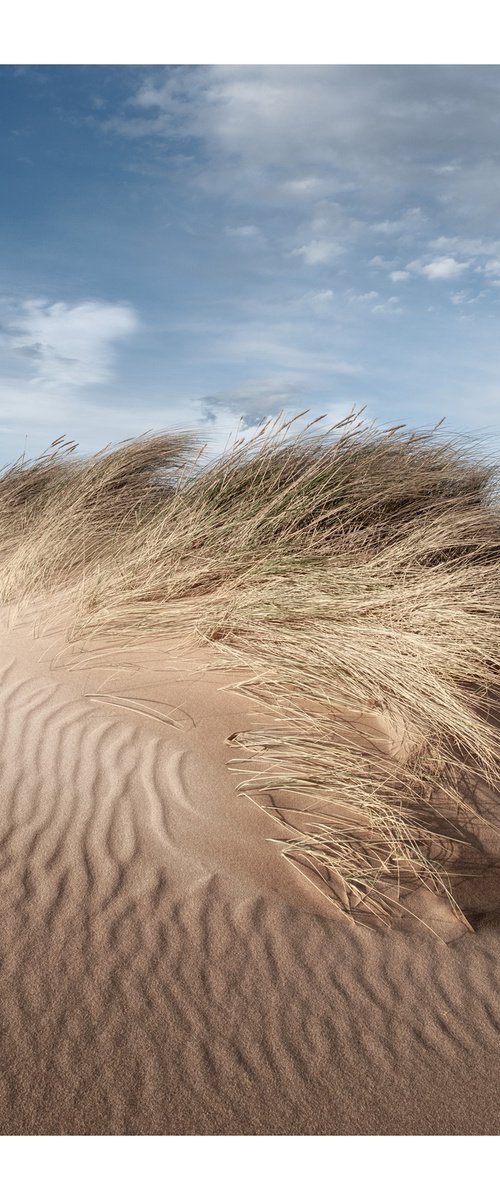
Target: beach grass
x=345 y=574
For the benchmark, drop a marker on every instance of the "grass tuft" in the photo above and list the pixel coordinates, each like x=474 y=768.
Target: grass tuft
x=353 y=573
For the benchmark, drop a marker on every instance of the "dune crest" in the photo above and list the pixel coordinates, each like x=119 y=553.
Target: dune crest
x=351 y=570
x=249 y=819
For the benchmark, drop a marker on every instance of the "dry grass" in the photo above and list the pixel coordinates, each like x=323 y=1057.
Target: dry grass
x=348 y=570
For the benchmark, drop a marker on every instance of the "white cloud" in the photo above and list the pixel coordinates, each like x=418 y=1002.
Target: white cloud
x=481 y=255
x=399 y=276
x=320 y=250
x=465 y=297
x=477 y=247
x=446 y=168
x=410 y=221
x=444 y=267
x=242 y=231
x=381 y=263
x=304 y=187
x=318 y=299
x=492 y=267
x=66 y=345
x=386 y=227
x=389 y=307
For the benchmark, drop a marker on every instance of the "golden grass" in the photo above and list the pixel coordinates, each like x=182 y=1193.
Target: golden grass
x=344 y=570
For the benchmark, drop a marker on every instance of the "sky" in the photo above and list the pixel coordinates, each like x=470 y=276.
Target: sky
x=204 y=246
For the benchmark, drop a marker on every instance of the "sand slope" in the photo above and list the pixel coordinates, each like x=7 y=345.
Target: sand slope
x=163 y=971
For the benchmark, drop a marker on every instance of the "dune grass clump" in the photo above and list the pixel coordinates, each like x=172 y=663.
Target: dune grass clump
x=62 y=515
x=348 y=574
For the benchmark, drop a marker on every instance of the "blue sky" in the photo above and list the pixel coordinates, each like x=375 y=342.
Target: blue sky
x=198 y=246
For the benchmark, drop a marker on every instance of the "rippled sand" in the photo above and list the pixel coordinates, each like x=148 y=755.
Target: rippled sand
x=164 y=971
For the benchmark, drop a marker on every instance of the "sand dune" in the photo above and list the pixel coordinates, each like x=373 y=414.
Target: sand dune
x=165 y=971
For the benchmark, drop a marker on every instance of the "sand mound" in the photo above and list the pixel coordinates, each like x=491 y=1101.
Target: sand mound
x=165 y=971
x=351 y=580
x=249 y=825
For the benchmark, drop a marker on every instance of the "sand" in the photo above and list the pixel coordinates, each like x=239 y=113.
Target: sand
x=165 y=971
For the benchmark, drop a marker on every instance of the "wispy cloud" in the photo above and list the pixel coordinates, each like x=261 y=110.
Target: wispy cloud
x=298 y=346
x=492 y=267
x=318 y=300
x=317 y=251
x=363 y=298
x=67 y=346
x=380 y=263
x=390 y=307
x=408 y=225
x=242 y=231
x=382 y=128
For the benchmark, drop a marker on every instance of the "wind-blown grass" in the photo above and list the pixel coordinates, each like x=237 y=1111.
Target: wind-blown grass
x=346 y=571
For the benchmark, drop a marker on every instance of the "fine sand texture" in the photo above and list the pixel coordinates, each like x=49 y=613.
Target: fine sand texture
x=165 y=970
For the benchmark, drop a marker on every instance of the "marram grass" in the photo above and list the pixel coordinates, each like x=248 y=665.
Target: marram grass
x=349 y=570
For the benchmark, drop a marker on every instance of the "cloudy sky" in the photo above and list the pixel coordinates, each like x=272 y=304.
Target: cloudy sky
x=198 y=246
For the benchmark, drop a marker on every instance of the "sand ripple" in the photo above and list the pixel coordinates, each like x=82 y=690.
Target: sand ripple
x=150 y=985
